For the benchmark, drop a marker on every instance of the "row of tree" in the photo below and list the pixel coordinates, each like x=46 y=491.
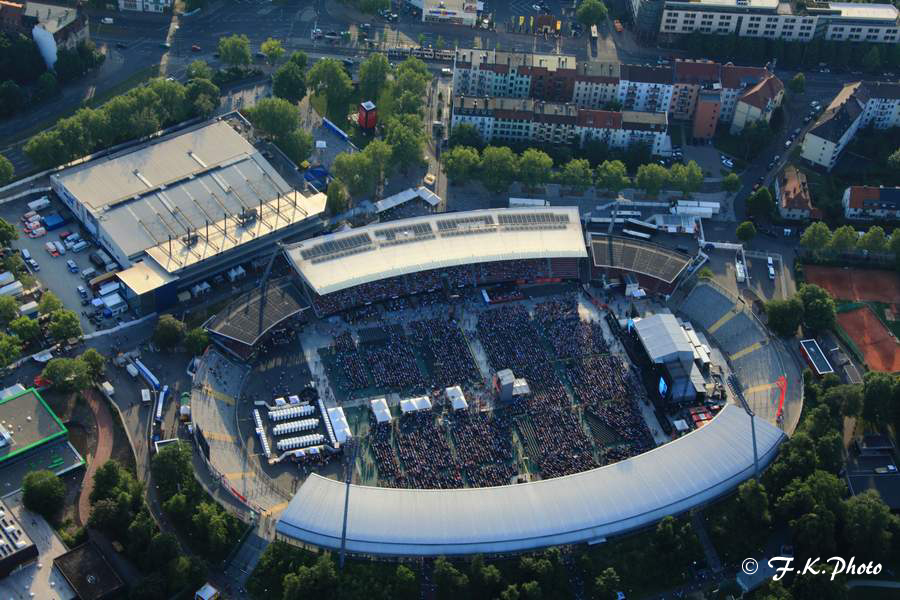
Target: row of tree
x=170 y=333
x=19 y=331
x=812 y=307
x=497 y=167
x=137 y=113
x=819 y=239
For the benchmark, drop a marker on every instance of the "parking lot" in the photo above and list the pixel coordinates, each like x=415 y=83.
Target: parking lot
x=54 y=275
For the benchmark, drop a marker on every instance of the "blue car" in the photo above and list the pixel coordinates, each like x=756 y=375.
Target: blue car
x=70 y=264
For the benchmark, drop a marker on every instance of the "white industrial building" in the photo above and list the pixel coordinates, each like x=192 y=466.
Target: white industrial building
x=585 y=507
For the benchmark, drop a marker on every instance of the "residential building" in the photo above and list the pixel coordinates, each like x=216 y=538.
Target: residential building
x=758 y=103
x=793 y=196
x=528 y=120
x=596 y=84
x=645 y=88
x=156 y=6
x=707 y=114
x=514 y=75
x=67 y=26
x=857 y=105
x=782 y=20
x=866 y=202
x=646 y=15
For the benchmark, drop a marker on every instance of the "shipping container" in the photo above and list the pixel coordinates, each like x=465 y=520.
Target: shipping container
x=53 y=221
x=6 y=278
x=13 y=289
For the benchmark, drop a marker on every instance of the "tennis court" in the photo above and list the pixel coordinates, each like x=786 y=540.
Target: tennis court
x=879 y=348
x=856 y=284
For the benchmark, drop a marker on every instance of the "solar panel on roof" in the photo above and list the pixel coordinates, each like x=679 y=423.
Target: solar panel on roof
x=533 y=220
x=335 y=246
x=416 y=230
x=485 y=222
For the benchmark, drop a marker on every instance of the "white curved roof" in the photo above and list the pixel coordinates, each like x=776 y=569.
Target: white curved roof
x=348 y=258
x=577 y=508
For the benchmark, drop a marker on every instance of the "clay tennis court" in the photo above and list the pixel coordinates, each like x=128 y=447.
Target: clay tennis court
x=856 y=284
x=880 y=349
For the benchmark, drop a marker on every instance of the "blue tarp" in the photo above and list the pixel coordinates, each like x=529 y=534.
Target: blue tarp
x=337 y=130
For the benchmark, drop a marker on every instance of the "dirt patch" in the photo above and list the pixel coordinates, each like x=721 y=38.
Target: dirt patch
x=78 y=435
x=63 y=404
x=880 y=349
x=856 y=284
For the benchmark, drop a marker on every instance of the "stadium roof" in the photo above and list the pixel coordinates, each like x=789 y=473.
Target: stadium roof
x=174 y=185
x=637 y=256
x=577 y=508
x=241 y=320
x=341 y=260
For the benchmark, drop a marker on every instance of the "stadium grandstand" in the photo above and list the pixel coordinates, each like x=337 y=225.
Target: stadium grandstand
x=656 y=267
x=583 y=507
x=449 y=251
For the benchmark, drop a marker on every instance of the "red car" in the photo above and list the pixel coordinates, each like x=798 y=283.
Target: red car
x=64 y=234
x=195 y=48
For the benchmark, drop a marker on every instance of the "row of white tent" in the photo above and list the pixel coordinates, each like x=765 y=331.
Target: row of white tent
x=312 y=439
x=339 y=424
x=415 y=404
x=261 y=433
x=382 y=411
x=291 y=412
x=295 y=426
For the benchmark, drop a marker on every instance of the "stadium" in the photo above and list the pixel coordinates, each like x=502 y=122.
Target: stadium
x=481 y=378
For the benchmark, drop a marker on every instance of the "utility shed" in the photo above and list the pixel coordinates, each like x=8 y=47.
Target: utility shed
x=664 y=339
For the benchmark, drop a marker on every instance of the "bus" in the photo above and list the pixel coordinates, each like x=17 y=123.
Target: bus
x=636 y=234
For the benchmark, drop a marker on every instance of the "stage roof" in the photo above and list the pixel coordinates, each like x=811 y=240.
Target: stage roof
x=577 y=508
x=241 y=321
x=637 y=256
x=342 y=260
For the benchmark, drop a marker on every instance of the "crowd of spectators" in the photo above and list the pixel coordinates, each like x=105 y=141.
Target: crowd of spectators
x=425 y=453
x=483 y=446
x=563 y=327
x=445 y=351
x=393 y=364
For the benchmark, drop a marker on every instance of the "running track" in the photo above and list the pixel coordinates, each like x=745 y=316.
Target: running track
x=101 y=454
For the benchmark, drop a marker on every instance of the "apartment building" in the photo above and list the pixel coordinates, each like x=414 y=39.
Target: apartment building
x=596 y=84
x=857 y=105
x=793 y=197
x=866 y=202
x=514 y=75
x=154 y=6
x=783 y=20
x=529 y=120
x=757 y=103
x=645 y=88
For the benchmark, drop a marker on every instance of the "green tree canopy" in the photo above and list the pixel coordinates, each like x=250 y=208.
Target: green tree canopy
x=198 y=69
x=870 y=525
x=405 y=134
x=760 y=203
x=299 y=58
x=785 y=316
x=498 y=168
x=8 y=232
x=337 y=197
x=612 y=175
x=373 y=75
x=10 y=349
x=25 y=328
x=798 y=83
x=168 y=333
x=9 y=310
x=196 y=340
x=44 y=493
x=297 y=145
x=273 y=50
x=289 y=82
x=356 y=172
x=379 y=154
x=95 y=362
x=893 y=161
x=818 y=307
x=49 y=303
x=461 y=163
x=843 y=240
x=731 y=183
x=816 y=237
x=465 y=135
x=6 y=170
x=746 y=231
x=64 y=324
x=329 y=79
x=67 y=374
x=274 y=117
x=591 y=12
x=534 y=167
x=874 y=240
x=651 y=178
x=686 y=178
x=577 y=174
x=234 y=50
x=606 y=584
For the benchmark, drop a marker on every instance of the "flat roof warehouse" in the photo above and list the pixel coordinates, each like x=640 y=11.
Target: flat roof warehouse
x=185 y=197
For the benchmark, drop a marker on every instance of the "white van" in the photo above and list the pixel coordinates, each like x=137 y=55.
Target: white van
x=771 y=272
x=26 y=254
x=446 y=72
x=769 y=261
x=79 y=246
x=106 y=20
x=132 y=370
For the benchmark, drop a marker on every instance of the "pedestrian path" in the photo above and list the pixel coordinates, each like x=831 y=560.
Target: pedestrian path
x=101 y=454
x=709 y=551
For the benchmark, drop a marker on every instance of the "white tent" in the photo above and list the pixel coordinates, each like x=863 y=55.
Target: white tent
x=339 y=423
x=415 y=404
x=456 y=397
x=381 y=410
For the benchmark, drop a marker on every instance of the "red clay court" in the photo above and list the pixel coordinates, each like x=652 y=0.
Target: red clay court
x=879 y=348
x=856 y=284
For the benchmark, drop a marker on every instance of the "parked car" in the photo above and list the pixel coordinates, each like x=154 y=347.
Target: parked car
x=33 y=264
x=196 y=48
x=70 y=264
x=82 y=291
x=64 y=234
x=51 y=249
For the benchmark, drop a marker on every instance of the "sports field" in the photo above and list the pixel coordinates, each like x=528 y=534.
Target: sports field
x=867 y=285
x=880 y=349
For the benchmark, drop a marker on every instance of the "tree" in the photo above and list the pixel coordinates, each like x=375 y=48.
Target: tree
x=534 y=167
x=10 y=349
x=168 y=333
x=731 y=183
x=874 y=240
x=760 y=203
x=591 y=12
x=746 y=231
x=406 y=137
x=606 y=584
x=318 y=580
x=451 y=583
x=686 y=178
x=289 y=82
x=203 y=97
x=871 y=62
x=297 y=145
x=6 y=170
x=798 y=83
x=754 y=502
x=355 y=171
x=843 y=240
x=337 y=197
x=379 y=154
x=67 y=374
x=869 y=525
x=198 y=69
x=9 y=310
x=373 y=75
x=816 y=237
x=25 y=328
x=95 y=362
x=818 y=307
x=234 y=50
x=196 y=340
x=172 y=469
x=12 y=98
x=273 y=50
x=877 y=395
x=611 y=175
x=651 y=178
x=299 y=58
x=498 y=168
x=461 y=163
x=44 y=493
x=49 y=303
x=329 y=79
x=465 y=135
x=47 y=86
x=577 y=174
x=274 y=117
x=893 y=161
x=8 y=233
x=64 y=324
x=785 y=316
